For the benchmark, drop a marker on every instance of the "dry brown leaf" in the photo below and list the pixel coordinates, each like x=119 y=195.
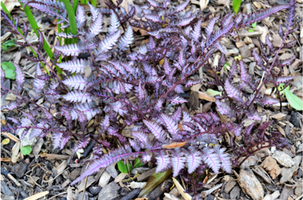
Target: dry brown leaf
x=181 y=190
x=37 y=196
x=5 y=159
x=15 y=152
x=54 y=156
x=10 y=136
x=272 y=167
x=203 y=4
x=142 y=31
x=10 y=4
x=205 y=96
x=69 y=193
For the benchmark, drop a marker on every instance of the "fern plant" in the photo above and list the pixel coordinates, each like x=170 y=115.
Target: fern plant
x=120 y=85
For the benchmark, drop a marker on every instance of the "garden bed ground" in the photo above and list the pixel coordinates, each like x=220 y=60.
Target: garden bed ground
x=48 y=172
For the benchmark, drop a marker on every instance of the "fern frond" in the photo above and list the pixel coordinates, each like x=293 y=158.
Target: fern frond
x=124 y=152
x=74 y=66
x=126 y=39
x=77 y=96
x=77 y=82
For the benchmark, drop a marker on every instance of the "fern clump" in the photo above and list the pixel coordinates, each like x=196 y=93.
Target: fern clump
x=121 y=85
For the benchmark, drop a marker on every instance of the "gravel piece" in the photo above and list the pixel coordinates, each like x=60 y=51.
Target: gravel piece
x=132 y=194
x=5 y=190
x=109 y=192
x=19 y=169
x=112 y=171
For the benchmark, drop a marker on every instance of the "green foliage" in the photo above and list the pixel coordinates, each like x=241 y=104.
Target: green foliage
x=71 y=18
x=153 y=181
x=9 y=70
x=124 y=168
x=213 y=93
x=8 y=44
x=254 y=24
x=5 y=10
x=236 y=5
x=138 y=163
x=26 y=150
x=293 y=99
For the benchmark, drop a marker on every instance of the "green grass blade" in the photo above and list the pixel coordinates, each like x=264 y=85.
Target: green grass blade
x=6 y=11
x=35 y=27
x=71 y=19
x=76 y=2
x=93 y=2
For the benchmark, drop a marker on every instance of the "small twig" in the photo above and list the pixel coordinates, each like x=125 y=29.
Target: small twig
x=208 y=192
x=57 y=195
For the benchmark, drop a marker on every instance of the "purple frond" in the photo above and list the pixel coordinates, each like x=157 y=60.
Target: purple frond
x=114 y=23
x=94 y=11
x=167 y=68
x=193 y=160
x=10 y=106
x=253 y=115
x=218 y=35
x=96 y=26
x=268 y=101
x=184 y=21
x=287 y=61
x=38 y=132
x=48 y=10
x=74 y=66
x=89 y=109
x=156 y=130
x=284 y=79
x=19 y=76
x=177 y=100
x=233 y=92
x=210 y=26
x=80 y=17
x=108 y=42
x=196 y=34
x=70 y=50
x=163 y=162
x=179 y=89
x=177 y=114
x=124 y=152
x=77 y=96
x=227 y=19
x=127 y=39
x=82 y=143
x=171 y=126
x=159 y=105
x=142 y=138
x=237 y=130
x=211 y=159
x=181 y=7
x=177 y=162
x=221 y=47
x=224 y=157
x=105 y=123
x=140 y=91
x=153 y=3
x=263 y=14
x=258 y=58
x=77 y=82
x=154 y=18
x=57 y=137
x=146 y=157
x=192 y=82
